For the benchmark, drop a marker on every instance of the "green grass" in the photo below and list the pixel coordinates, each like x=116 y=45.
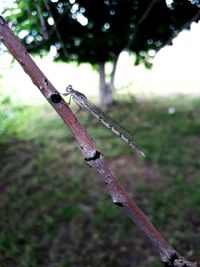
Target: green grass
x=55 y=210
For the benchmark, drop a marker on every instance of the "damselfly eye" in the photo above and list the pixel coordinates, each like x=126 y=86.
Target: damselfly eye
x=68 y=88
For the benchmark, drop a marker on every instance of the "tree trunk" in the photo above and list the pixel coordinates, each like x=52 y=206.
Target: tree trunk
x=106 y=88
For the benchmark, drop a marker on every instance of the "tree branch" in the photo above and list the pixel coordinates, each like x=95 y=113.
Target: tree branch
x=147 y=11
x=55 y=27
x=115 y=60
x=140 y=21
x=42 y=22
x=92 y=156
x=195 y=18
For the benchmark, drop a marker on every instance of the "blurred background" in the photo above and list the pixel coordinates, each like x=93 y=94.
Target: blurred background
x=138 y=60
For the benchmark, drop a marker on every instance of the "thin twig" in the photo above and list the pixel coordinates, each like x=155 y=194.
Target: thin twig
x=55 y=27
x=92 y=156
x=42 y=22
x=146 y=12
x=144 y=15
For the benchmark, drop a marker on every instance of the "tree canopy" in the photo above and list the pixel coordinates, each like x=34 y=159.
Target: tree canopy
x=98 y=31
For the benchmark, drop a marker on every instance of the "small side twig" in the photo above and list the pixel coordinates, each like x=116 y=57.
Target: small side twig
x=92 y=156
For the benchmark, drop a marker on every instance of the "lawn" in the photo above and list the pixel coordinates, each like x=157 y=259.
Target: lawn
x=55 y=210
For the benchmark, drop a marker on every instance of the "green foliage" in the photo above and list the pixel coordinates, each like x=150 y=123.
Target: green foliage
x=97 y=31
x=55 y=211
x=10 y=116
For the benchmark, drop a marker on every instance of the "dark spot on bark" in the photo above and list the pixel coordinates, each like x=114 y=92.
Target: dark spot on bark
x=96 y=156
x=22 y=63
x=119 y=204
x=55 y=98
x=2 y=21
x=170 y=263
x=46 y=81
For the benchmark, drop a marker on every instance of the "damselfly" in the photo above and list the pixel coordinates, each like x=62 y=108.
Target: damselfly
x=83 y=102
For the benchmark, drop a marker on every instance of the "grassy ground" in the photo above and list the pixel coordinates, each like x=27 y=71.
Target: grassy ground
x=55 y=210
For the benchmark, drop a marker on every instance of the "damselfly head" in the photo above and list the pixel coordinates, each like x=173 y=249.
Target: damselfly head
x=69 y=89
